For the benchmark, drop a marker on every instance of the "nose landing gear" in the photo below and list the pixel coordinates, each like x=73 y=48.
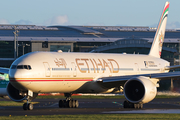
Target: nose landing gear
x=29 y=95
x=27 y=106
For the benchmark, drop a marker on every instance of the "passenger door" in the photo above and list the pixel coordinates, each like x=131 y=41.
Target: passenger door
x=47 y=69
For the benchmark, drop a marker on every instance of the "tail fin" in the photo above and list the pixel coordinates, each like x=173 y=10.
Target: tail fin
x=156 y=47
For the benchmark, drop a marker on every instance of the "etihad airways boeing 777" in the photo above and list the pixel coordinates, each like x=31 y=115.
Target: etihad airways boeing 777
x=47 y=72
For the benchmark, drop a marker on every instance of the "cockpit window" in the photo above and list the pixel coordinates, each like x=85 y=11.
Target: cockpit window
x=25 y=67
x=20 y=67
x=28 y=67
x=13 y=67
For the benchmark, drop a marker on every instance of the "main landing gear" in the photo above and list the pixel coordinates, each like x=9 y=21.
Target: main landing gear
x=69 y=102
x=127 y=104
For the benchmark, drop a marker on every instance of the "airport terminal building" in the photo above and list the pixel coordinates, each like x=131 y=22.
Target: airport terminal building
x=105 y=39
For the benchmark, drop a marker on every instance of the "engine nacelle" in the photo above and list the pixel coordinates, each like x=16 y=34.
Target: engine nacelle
x=140 y=90
x=15 y=95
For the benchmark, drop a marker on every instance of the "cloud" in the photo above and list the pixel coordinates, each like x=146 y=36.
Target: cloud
x=4 y=21
x=57 y=20
x=23 y=22
x=173 y=25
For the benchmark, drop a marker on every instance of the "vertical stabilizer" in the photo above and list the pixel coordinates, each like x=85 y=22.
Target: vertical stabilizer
x=156 y=47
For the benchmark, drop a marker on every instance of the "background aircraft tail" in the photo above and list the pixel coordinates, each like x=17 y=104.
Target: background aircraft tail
x=157 y=44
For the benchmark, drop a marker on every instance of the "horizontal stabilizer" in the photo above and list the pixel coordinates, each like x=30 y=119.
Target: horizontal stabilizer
x=172 y=67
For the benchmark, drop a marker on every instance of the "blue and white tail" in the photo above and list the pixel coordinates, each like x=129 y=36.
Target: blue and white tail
x=156 y=47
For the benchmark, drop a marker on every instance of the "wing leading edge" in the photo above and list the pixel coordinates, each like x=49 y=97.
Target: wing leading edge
x=110 y=82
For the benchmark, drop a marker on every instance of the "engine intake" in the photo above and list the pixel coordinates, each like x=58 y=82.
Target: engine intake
x=140 y=90
x=15 y=95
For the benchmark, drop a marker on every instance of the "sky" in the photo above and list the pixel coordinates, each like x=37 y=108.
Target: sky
x=88 y=12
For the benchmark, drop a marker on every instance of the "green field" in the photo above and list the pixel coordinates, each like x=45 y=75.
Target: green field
x=12 y=103
x=96 y=117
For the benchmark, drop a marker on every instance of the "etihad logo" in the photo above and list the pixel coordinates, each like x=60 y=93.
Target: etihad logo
x=84 y=64
x=149 y=64
x=60 y=62
x=161 y=40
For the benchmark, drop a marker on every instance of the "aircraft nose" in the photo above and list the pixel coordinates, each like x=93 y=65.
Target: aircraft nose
x=14 y=73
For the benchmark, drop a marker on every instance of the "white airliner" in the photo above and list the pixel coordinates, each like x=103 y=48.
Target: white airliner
x=49 y=72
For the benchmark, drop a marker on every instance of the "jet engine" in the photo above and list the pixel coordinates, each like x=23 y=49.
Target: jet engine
x=140 y=90
x=19 y=96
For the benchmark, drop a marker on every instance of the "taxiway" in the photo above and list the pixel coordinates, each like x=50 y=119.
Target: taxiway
x=93 y=106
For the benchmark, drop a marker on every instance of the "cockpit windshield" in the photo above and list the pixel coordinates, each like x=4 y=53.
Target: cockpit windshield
x=28 y=67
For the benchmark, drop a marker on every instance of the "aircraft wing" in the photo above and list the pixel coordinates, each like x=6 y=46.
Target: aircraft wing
x=117 y=81
x=4 y=70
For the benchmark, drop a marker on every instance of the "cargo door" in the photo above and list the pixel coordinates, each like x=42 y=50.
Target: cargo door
x=47 y=69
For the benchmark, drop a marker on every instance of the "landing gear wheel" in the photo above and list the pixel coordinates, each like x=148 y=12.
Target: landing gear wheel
x=126 y=104
x=73 y=103
x=65 y=104
x=136 y=106
x=25 y=106
x=76 y=104
x=70 y=104
x=141 y=106
x=30 y=106
x=61 y=103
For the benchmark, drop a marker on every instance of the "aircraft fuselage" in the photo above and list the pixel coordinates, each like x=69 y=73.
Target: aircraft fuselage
x=77 y=72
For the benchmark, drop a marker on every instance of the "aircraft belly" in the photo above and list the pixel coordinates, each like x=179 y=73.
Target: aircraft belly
x=60 y=86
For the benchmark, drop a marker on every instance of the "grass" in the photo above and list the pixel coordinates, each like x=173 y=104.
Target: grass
x=96 y=117
x=12 y=103
x=166 y=96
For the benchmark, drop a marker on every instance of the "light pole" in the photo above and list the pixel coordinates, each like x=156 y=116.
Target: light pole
x=15 y=41
x=23 y=46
